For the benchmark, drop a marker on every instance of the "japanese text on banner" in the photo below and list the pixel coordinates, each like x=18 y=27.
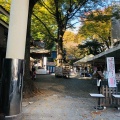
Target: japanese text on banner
x=111 y=72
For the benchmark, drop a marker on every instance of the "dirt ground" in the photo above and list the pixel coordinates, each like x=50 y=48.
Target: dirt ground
x=65 y=99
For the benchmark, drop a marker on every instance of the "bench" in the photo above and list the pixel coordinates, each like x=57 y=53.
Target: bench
x=111 y=95
x=117 y=102
x=98 y=97
x=105 y=98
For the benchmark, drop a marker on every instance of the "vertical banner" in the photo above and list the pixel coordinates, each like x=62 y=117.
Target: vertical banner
x=111 y=72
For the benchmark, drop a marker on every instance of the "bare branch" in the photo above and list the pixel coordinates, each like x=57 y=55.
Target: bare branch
x=80 y=4
x=72 y=11
x=72 y=25
x=68 y=13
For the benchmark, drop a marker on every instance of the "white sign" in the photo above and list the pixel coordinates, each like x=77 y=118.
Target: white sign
x=111 y=72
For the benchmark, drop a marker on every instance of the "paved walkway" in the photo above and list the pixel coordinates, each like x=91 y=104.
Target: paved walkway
x=65 y=99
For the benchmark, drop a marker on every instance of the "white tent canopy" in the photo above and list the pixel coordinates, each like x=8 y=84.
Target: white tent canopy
x=84 y=60
x=112 y=52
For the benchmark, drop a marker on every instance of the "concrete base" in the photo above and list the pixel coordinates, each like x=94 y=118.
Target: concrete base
x=11 y=92
x=14 y=117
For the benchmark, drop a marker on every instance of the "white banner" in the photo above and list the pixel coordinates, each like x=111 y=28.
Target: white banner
x=111 y=72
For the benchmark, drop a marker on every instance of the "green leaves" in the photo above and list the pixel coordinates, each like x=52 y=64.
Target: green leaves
x=91 y=47
x=97 y=25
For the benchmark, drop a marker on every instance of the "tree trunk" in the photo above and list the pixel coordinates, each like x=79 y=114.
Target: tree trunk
x=28 y=87
x=60 y=47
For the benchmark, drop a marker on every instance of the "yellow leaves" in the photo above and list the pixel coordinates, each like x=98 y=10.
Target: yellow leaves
x=6 y=4
x=69 y=36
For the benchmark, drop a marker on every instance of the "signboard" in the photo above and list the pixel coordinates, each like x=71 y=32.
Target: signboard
x=111 y=72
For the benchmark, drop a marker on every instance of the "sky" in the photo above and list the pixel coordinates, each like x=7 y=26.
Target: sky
x=77 y=26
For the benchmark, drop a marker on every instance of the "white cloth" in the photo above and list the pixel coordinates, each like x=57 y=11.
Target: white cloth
x=98 y=82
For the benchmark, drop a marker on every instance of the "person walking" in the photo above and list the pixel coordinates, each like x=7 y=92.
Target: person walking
x=33 y=73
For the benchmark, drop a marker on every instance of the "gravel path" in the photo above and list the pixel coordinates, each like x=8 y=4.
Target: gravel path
x=65 y=99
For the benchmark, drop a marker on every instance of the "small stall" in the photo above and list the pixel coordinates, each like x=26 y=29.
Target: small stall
x=110 y=85
x=101 y=59
x=84 y=66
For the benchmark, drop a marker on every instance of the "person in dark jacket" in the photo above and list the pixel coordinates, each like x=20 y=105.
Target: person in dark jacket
x=33 y=72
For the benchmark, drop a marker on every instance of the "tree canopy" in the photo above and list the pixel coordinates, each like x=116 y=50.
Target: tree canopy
x=51 y=18
x=97 y=28
x=97 y=25
x=91 y=47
